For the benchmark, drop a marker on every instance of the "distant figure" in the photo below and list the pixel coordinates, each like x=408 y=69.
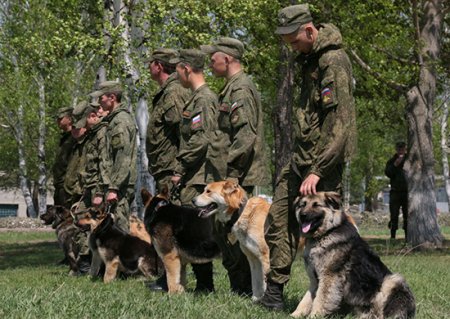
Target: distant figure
x=399 y=189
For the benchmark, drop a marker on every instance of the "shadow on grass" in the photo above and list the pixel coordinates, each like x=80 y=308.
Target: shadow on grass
x=29 y=254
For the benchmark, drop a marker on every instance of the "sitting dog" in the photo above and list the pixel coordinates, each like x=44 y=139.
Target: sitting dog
x=228 y=202
x=115 y=248
x=61 y=220
x=179 y=235
x=345 y=274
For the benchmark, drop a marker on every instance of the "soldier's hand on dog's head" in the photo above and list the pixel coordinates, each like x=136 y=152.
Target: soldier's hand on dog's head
x=308 y=187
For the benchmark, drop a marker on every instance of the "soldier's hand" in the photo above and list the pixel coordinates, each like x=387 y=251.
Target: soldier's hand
x=176 y=179
x=112 y=197
x=308 y=187
x=97 y=201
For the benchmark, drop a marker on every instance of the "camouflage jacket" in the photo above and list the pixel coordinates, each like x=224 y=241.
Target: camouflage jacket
x=75 y=166
x=122 y=149
x=96 y=172
x=324 y=128
x=163 y=133
x=241 y=119
x=66 y=144
x=201 y=146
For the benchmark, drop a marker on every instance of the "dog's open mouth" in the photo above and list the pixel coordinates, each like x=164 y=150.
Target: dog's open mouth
x=207 y=210
x=310 y=224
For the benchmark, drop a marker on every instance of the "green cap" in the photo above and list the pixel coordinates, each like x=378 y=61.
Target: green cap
x=292 y=17
x=81 y=120
x=107 y=87
x=79 y=109
x=64 y=111
x=163 y=55
x=229 y=46
x=193 y=57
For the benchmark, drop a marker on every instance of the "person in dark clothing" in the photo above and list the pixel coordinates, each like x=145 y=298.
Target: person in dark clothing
x=399 y=189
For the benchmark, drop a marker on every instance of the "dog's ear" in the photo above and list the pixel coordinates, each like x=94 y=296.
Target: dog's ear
x=165 y=193
x=333 y=199
x=230 y=186
x=146 y=197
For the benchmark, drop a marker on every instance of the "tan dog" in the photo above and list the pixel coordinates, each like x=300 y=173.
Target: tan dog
x=137 y=229
x=226 y=198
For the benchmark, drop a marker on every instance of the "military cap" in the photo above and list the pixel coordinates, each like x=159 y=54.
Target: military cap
x=292 y=17
x=163 y=55
x=229 y=46
x=81 y=120
x=64 y=111
x=193 y=57
x=79 y=109
x=400 y=144
x=107 y=87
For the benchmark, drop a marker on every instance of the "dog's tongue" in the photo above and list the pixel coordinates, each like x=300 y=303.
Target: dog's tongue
x=306 y=227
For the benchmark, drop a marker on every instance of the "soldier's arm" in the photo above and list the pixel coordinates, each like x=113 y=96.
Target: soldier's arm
x=104 y=169
x=337 y=101
x=244 y=121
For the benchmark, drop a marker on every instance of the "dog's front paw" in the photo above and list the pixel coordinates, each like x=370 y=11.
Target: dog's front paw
x=299 y=313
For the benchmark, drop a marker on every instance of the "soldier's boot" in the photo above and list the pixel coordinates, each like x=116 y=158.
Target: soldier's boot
x=273 y=296
x=204 y=275
x=393 y=231
x=84 y=264
x=160 y=284
x=240 y=285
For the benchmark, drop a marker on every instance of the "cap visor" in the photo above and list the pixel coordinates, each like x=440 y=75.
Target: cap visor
x=287 y=29
x=96 y=94
x=175 y=60
x=208 y=49
x=81 y=123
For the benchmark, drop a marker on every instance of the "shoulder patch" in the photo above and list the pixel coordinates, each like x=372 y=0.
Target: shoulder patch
x=327 y=95
x=196 y=121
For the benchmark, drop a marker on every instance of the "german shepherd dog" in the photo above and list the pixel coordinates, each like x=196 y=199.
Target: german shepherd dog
x=180 y=237
x=228 y=202
x=118 y=250
x=345 y=274
x=62 y=221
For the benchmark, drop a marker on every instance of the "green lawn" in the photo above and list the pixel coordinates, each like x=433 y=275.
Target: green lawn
x=33 y=286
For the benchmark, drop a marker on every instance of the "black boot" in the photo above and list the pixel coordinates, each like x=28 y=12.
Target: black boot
x=393 y=231
x=204 y=275
x=159 y=285
x=84 y=264
x=273 y=297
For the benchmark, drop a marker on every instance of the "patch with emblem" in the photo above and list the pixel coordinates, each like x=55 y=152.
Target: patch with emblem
x=224 y=107
x=196 y=121
x=327 y=96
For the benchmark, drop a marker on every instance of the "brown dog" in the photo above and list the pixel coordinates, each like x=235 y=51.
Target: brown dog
x=137 y=229
x=115 y=248
x=227 y=200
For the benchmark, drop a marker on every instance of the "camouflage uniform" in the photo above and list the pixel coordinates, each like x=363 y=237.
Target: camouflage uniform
x=324 y=134
x=66 y=144
x=122 y=151
x=163 y=133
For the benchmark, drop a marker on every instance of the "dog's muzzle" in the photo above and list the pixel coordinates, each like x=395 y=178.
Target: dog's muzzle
x=205 y=211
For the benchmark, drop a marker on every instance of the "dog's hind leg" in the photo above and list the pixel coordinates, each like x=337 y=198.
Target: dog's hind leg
x=111 y=270
x=173 y=266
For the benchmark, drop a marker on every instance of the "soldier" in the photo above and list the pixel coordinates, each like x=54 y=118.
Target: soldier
x=324 y=132
x=122 y=150
x=199 y=133
x=66 y=144
x=241 y=119
x=163 y=133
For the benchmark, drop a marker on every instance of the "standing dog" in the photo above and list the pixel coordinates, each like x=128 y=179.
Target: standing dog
x=180 y=237
x=62 y=221
x=345 y=274
x=115 y=248
x=228 y=202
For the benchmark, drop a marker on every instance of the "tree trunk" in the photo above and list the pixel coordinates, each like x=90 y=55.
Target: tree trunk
x=282 y=113
x=423 y=229
x=444 y=149
x=42 y=179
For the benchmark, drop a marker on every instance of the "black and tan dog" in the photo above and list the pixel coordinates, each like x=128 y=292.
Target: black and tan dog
x=180 y=237
x=228 y=202
x=118 y=250
x=62 y=221
x=345 y=274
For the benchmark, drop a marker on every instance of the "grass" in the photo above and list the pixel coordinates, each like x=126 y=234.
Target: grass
x=33 y=286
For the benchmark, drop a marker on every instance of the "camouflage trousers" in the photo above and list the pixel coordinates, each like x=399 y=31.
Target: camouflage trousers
x=284 y=231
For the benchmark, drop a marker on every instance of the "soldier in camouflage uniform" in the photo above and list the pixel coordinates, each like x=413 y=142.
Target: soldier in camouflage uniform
x=163 y=133
x=324 y=133
x=241 y=119
x=199 y=133
x=66 y=144
x=122 y=150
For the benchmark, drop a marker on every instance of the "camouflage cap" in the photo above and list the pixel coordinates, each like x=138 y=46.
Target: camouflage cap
x=81 y=120
x=163 y=55
x=79 y=109
x=64 y=111
x=193 y=57
x=107 y=87
x=292 y=17
x=229 y=46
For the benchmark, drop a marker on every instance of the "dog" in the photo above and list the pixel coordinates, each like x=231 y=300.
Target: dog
x=62 y=221
x=179 y=235
x=137 y=229
x=228 y=202
x=119 y=251
x=346 y=276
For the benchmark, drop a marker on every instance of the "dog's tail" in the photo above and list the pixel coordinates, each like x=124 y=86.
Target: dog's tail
x=395 y=299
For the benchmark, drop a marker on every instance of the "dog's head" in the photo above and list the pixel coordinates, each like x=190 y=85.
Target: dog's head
x=49 y=216
x=220 y=197
x=153 y=203
x=55 y=215
x=318 y=213
x=90 y=218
